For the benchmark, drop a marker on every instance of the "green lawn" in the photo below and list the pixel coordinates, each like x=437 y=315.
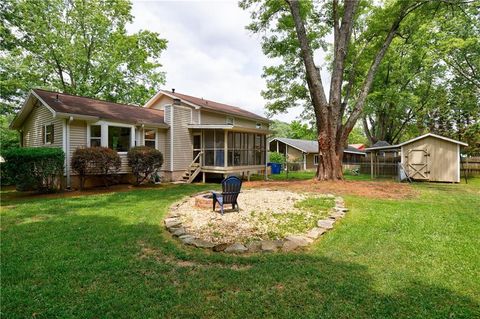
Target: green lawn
x=108 y=256
x=305 y=175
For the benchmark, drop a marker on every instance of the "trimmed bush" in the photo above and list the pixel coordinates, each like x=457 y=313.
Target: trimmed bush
x=35 y=168
x=144 y=162
x=99 y=161
x=276 y=157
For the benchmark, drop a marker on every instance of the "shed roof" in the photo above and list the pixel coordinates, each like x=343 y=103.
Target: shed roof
x=67 y=104
x=309 y=146
x=376 y=148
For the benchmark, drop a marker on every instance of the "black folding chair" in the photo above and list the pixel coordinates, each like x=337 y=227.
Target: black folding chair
x=230 y=189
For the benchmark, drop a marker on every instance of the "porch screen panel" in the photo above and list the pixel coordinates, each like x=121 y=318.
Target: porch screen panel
x=246 y=149
x=209 y=142
x=219 y=148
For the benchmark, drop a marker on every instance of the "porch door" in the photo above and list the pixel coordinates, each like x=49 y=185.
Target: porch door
x=197 y=146
x=417 y=163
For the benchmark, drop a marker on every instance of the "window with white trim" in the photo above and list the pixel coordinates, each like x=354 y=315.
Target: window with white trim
x=230 y=120
x=95 y=135
x=315 y=159
x=119 y=138
x=150 y=138
x=48 y=134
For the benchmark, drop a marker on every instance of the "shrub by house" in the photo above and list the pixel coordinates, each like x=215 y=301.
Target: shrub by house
x=99 y=161
x=144 y=161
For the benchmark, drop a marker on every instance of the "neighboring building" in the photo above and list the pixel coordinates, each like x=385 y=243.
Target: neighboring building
x=195 y=135
x=429 y=157
x=306 y=152
x=360 y=147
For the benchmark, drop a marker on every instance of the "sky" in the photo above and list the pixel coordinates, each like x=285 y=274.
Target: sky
x=210 y=54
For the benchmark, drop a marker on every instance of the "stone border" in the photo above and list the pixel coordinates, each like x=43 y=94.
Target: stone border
x=290 y=243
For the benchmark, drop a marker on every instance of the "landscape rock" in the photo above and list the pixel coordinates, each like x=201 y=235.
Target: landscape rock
x=254 y=246
x=289 y=246
x=326 y=223
x=341 y=209
x=177 y=231
x=269 y=246
x=236 y=248
x=336 y=215
x=187 y=239
x=220 y=247
x=300 y=240
x=316 y=232
x=172 y=222
x=200 y=243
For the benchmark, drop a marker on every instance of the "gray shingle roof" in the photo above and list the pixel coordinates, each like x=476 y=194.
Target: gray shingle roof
x=308 y=146
x=381 y=144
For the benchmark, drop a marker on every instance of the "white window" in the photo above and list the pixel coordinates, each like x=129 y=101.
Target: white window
x=48 y=134
x=230 y=120
x=315 y=159
x=259 y=126
x=95 y=135
x=150 y=138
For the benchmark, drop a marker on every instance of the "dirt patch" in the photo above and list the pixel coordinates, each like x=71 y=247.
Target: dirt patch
x=372 y=189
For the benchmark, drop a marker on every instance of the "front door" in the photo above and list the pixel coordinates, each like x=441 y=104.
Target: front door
x=197 y=146
x=417 y=163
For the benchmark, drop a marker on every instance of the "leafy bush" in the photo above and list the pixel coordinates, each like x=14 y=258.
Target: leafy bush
x=144 y=162
x=276 y=157
x=100 y=161
x=35 y=168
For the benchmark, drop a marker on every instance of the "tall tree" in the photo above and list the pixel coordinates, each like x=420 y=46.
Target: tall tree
x=79 y=47
x=294 y=30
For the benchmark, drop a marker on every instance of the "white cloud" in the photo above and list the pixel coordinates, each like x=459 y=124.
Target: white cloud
x=210 y=54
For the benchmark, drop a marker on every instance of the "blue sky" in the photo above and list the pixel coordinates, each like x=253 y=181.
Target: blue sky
x=210 y=54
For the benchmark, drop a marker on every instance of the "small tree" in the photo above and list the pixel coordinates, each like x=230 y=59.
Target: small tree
x=276 y=157
x=144 y=161
x=101 y=161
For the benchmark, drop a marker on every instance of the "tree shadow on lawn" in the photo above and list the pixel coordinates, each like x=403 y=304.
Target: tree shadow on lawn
x=73 y=265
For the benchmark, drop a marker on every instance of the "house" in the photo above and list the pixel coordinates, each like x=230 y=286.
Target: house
x=196 y=136
x=306 y=152
x=429 y=157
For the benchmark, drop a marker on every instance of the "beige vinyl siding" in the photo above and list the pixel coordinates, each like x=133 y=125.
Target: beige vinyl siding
x=162 y=146
x=249 y=123
x=161 y=102
x=168 y=137
x=182 y=140
x=443 y=160
x=195 y=117
x=33 y=128
x=293 y=154
x=78 y=137
x=212 y=118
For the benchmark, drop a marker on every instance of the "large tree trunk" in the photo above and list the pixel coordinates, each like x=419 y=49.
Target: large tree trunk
x=332 y=132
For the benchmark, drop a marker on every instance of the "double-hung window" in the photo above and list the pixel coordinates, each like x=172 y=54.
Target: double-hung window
x=48 y=134
x=315 y=159
x=95 y=135
x=150 y=138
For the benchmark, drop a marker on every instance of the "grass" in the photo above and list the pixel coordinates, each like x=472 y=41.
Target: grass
x=108 y=256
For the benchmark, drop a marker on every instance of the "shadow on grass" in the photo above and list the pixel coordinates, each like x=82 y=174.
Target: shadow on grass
x=71 y=264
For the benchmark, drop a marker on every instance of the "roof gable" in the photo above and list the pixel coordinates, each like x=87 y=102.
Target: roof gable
x=207 y=105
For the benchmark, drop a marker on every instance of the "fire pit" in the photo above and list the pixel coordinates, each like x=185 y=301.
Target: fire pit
x=204 y=200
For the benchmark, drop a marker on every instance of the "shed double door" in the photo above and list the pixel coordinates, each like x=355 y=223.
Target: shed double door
x=417 y=163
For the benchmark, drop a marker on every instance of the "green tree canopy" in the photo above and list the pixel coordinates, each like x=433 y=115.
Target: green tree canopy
x=78 y=47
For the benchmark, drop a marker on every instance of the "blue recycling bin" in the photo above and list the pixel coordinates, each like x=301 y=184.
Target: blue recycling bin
x=276 y=167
